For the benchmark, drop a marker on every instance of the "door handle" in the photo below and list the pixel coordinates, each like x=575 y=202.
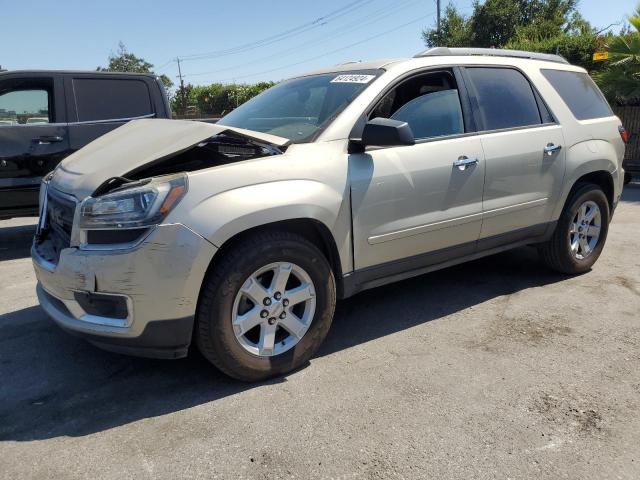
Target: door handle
x=463 y=162
x=47 y=139
x=551 y=148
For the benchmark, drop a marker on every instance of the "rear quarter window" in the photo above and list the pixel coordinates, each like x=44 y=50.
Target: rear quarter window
x=580 y=93
x=111 y=99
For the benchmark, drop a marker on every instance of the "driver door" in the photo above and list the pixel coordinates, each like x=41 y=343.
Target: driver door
x=418 y=205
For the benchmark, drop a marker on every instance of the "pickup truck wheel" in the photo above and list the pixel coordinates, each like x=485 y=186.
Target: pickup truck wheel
x=581 y=232
x=266 y=306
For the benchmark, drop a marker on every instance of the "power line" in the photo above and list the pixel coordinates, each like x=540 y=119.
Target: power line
x=332 y=51
x=318 y=22
x=372 y=18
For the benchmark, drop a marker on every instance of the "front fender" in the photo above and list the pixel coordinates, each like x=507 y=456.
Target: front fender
x=221 y=216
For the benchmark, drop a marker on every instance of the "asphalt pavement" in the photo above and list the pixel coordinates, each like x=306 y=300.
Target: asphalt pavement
x=498 y=368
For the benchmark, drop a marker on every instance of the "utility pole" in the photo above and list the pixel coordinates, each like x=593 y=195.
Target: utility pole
x=438 y=10
x=182 y=92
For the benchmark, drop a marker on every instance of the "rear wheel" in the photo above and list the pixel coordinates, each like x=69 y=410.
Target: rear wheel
x=266 y=307
x=581 y=232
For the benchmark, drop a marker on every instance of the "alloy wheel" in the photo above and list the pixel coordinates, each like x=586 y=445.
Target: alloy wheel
x=584 y=231
x=273 y=309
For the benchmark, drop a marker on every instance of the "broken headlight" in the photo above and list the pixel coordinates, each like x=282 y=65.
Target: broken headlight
x=135 y=205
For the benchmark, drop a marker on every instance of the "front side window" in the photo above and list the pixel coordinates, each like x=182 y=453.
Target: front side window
x=24 y=107
x=505 y=98
x=111 y=99
x=579 y=93
x=298 y=109
x=429 y=103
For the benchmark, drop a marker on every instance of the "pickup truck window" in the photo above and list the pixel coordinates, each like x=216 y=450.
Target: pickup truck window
x=111 y=99
x=20 y=107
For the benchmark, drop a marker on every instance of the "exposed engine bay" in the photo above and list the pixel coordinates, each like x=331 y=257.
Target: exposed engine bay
x=221 y=149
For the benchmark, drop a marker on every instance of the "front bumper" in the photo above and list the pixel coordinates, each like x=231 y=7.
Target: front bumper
x=158 y=281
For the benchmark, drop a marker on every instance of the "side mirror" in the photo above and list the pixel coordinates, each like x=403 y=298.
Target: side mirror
x=384 y=132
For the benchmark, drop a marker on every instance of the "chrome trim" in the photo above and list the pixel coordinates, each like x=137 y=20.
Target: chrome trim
x=113 y=120
x=551 y=148
x=43 y=209
x=420 y=229
x=76 y=313
x=514 y=208
x=80 y=314
x=463 y=162
x=430 y=227
x=85 y=122
x=105 y=247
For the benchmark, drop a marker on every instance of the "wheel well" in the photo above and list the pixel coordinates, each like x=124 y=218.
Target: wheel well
x=312 y=230
x=602 y=178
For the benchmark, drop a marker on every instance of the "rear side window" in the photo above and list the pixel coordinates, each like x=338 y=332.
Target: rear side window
x=579 y=93
x=505 y=98
x=110 y=99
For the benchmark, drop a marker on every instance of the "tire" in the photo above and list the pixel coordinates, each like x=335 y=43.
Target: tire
x=221 y=298
x=557 y=252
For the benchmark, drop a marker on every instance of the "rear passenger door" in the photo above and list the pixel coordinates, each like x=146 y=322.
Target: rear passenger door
x=523 y=147
x=101 y=103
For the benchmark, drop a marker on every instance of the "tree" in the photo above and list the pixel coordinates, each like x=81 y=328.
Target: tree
x=125 y=61
x=455 y=30
x=495 y=23
x=216 y=98
x=620 y=82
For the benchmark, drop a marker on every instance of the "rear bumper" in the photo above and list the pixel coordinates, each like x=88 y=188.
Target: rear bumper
x=154 y=287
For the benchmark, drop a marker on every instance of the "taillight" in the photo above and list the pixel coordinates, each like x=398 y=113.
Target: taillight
x=623 y=134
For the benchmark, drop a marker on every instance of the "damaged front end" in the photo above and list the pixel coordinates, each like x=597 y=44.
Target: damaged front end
x=109 y=194
x=104 y=252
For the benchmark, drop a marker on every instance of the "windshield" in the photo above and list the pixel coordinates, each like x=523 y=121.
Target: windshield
x=298 y=109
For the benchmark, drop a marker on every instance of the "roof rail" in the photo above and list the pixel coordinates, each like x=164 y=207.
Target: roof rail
x=490 y=52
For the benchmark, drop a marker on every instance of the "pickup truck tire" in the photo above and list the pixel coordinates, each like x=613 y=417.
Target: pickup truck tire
x=557 y=253
x=217 y=335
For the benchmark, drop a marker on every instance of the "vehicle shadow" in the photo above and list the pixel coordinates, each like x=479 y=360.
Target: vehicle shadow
x=15 y=241
x=54 y=384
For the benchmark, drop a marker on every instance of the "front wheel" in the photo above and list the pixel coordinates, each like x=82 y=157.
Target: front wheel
x=580 y=233
x=266 y=307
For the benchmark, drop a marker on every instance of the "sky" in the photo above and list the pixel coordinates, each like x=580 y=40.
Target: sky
x=242 y=41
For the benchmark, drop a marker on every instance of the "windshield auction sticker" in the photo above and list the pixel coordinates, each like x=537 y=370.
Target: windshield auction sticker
x=353 y=78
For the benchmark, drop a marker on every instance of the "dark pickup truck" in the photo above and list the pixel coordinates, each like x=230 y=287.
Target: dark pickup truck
x=47 y=115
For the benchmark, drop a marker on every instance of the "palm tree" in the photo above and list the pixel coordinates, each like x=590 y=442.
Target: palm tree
x=621 y=82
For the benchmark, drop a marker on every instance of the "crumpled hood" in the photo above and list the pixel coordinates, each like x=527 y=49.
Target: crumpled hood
x=137 y=144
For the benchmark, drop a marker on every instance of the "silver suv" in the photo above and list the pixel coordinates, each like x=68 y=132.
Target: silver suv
x=240 y=236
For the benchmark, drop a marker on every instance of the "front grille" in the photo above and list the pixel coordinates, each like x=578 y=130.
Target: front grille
x=57 y=231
